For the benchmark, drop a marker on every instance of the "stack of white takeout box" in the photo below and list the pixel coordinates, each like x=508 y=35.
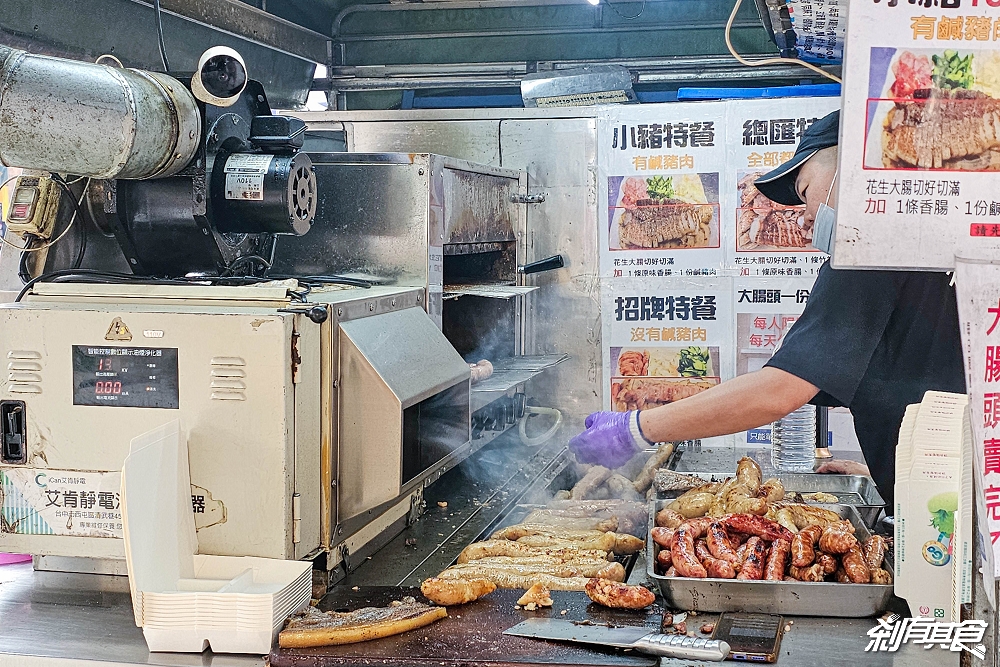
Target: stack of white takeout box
x=934 y=532
x=185 y=601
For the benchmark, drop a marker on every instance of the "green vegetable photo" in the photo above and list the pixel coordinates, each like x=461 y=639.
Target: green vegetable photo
x=952 y=71
x=693 y=362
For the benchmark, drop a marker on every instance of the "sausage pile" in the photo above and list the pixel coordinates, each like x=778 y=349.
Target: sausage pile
x=749 y=547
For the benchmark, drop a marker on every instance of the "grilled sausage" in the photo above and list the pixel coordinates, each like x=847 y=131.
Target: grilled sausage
x=827 y=562
x=803 y=546
x=618 y=595
x=775 y=568
x=664 y=559
x=719 y=544
x=683 y=554
x=771 y=491
x=662 y=536
x=694 y=505
x=748 y=472
x=874 y=551
x=741 y=552
x=716 y=567
x=741 y=500
x=668 y=518
x=671 y=572
x=752 y=567
x=785 y=517
x=757 y=525
x=881 y=577
x=836 y=540
x=855 y=566
x=811 y=573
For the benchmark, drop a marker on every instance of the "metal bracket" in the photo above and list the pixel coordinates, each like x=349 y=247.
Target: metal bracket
x=416 y=506
x=525 y=198
x=345 y=554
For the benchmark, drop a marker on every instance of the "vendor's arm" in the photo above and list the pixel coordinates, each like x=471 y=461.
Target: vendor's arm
x=745 y=402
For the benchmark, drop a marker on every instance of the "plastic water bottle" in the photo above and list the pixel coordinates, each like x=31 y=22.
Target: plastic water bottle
x=793 y=441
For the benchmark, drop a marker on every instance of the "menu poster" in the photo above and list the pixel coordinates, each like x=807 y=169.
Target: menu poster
x=978 y=290
x=660 y=170
x=665 y=340
x=770 y=239
x=765 y=309
x=919 y=149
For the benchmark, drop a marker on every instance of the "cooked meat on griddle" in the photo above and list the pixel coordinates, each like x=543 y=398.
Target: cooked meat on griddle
x=312 y=627
x=537 y=595
x=497 y=571
x=655 y=223
x=573 y=523
x=452 y=592
x=490 y=548
x=956 y=129
x=618 y=595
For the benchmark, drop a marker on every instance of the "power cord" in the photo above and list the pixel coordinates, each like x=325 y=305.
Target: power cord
x=22 y=266
x=78 y=212
x=769 y=61
x=642 y=8
x=159 y=36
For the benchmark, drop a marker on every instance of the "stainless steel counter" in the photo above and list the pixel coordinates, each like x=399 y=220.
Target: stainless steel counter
x=54 y=620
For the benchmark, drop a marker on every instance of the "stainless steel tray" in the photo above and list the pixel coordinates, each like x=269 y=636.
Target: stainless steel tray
x=858 y=491
x=798 y=598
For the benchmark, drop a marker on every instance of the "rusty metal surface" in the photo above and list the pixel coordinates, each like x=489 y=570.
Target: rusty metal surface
x=472 y=634
x=478 y=208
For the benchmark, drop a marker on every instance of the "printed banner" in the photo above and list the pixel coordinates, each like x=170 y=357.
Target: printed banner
x=60 y=502
x=919 y=150
x=768 y=239
x=660 y=169
x=765 y=309
x=978 y=289
x=665 y=340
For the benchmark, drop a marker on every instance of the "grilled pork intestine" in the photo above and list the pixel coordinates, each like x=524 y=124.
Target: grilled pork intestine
x=943 y=129
x=763 y=222
x=665 y=223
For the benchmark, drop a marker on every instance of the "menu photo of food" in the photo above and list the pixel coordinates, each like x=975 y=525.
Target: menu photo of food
x=671 y=362
x=933 y=109
x=656 y=375
x=640 y=393
x=676 y=211
x=763 y=225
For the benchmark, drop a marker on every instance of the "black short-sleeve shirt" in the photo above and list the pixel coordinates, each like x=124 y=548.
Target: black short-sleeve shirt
x=875 y=341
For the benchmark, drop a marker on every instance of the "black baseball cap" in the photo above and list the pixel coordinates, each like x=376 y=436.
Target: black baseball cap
x=779 y=184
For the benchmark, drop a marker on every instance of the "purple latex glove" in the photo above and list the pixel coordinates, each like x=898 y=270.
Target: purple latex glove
x=608 y=440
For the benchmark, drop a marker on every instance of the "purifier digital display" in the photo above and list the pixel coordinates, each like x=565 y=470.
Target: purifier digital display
x=128 y=377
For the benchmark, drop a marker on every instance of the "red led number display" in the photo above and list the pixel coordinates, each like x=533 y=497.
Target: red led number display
x=108 y=388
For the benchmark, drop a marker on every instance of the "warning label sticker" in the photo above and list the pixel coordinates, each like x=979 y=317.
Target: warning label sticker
x=58 y=502
x=246 y=163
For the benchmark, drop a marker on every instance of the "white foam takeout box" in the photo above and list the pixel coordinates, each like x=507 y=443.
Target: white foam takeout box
x=185 y=601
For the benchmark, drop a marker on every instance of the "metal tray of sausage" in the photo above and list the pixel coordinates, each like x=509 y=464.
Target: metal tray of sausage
x=793 y=598
x=858 y=491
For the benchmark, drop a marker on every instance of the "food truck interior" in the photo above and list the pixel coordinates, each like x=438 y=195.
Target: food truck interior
x=360 y=252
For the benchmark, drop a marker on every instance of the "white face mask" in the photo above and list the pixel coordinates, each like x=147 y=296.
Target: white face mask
x=825 y=223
